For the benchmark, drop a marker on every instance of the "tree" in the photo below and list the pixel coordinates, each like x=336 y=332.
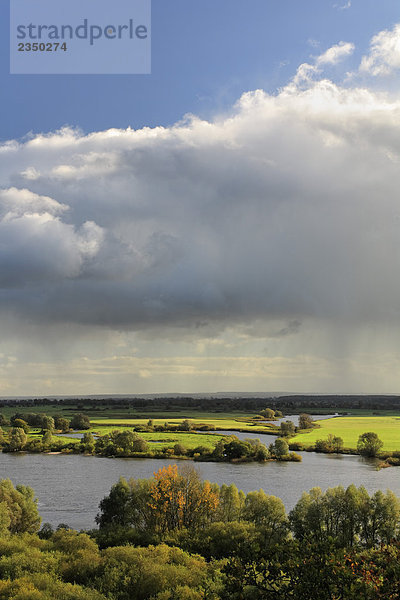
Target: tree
x=21 y=507
x=331 y=444
x=115 y=507
x=348 y=517
x=22 y=424
x=174 y=499
x=62 y=424
x=158 y=572
x=128 y=441
x=180 y=499
x=47 y=439
x=47 y=423
x=369 y=444
x=223 y=539
x=236 y=449
x=87 y=443
x=268 y=513
x=337 y=443
x=4 y=420
x=80 y=421
x=268 y=413
x=305 y=421
x=231 y=503
x=280 y=448
x=287 y=429
x=179 y=449
x=18 y=439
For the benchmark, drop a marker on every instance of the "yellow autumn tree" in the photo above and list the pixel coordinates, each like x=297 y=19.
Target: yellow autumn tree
x=178 y=498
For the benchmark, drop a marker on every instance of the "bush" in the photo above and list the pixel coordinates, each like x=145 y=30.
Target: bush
x=179 y=449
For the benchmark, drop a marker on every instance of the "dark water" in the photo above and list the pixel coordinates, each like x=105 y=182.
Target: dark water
x=69 y=487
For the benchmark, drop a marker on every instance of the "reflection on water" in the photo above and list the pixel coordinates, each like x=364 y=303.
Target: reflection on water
x=295 y=419
x=70 y=487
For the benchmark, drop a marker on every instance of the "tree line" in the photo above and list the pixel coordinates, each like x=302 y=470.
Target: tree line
x=295 y=402
x=176 y=537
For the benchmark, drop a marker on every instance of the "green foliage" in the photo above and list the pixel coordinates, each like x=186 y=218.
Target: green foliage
x=34 y=445
x=287 y=429
x=5 y=519
x=157 y=572
x=80 y=421
x=350 y=516
x=21 y=424
x=369 y=444
x=62 y=424
x=46 y=439
x=179 y=449
x=233 y=449
x=231 y=547
x=87 y=443
x=18 y=439
x=268 y=413
x=231 y=503
x=332 y=444
x=21 y=507
x=120 y=443
x=280 y=448
x=223 y=539
x=268 y=513
x=47 y=423
x=350 y=428
x=305 y=421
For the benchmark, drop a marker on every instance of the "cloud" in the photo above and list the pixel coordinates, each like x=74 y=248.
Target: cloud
x=344 y=6
x=284 y=210
x=384 y=54
x=335 y=54
x=306 y=72
x=36 y=246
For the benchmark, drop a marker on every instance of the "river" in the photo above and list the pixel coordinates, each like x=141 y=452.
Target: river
x=70 y=487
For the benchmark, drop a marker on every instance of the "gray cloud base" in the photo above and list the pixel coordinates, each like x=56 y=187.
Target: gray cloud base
x=287 y=208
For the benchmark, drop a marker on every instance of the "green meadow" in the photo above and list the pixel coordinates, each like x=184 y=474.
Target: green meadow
x=224 y=422
x=168 y=439
x=350 y=428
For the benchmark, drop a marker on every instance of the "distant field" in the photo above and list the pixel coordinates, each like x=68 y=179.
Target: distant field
x=350 y=428
x=241 y=422
x=167 y=439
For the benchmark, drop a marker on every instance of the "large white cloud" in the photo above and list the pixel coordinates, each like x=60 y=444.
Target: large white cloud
x=286 y=208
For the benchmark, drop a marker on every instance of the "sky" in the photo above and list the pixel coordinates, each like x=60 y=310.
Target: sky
x=229 y=222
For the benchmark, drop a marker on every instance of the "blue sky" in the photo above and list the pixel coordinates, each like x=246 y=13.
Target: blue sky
x=205 y=55
x=250 y=246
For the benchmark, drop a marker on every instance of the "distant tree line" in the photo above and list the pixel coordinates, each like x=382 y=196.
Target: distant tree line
x=217 y=404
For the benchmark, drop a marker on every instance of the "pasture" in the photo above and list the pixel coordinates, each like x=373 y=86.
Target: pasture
x=350 y=428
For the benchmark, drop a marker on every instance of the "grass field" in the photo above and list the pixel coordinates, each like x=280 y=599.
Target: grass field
x=350 y=428
x=244 y=424
x=116 y=418
x=169 y=439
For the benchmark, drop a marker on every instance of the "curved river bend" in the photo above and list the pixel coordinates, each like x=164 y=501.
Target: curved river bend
x=70 y=487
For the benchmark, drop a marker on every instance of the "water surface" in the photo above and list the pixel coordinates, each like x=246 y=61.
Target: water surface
x=70 y=487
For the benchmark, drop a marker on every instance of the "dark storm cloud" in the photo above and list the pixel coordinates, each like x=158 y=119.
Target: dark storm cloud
x=285 y=209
